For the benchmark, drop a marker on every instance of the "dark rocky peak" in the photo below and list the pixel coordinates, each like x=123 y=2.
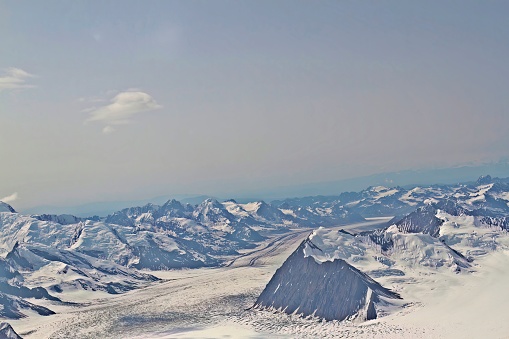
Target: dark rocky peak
x=120 y=218
x=62 y=219
x=210 y=206
x=7 y=332
x=211 y=210
x=423 y=220
x=7 y=272
x=285 y=206
x=484 y=180
x=331 y=290
x=499 y=187
x=378 y=237
x=172 y=203
x=126 y=216
x=172 y=208
x=137 y=211
x=4 y=207
x=450 y=206
x=263 y=207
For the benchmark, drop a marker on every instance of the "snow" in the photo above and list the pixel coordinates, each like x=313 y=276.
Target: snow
x=383 y=192
x=251 y=207
x=502 y=195
x=457 y=306
x=409 y=198
x=213 y=303
x=235 y=209
x=303 y=285
x=445 y=293
x=288 y=212
x=334 y=245
x=464 y=234
x=226 y=330
x=481 y=190
x=413 y=251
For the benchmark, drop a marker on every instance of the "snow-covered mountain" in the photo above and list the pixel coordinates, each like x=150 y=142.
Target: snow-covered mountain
x=487 y=194
x=48 y=272
x=63 y=219
x=14 y=307
x=6 y=208
x=139 y=240
x=13 y=292
x=436 y=230
x=58 y=270
x=56 y=254
x=330 y=290
x=454 y=226
x=347 y=263
x=7 y=332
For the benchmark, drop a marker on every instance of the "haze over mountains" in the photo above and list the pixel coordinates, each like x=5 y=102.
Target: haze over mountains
x=451 y=175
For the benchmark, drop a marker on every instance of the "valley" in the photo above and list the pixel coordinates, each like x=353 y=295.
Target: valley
x=432 y=255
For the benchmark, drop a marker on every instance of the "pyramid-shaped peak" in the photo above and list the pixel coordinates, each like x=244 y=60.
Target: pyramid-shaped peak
x=211 y=202
x=172 y=203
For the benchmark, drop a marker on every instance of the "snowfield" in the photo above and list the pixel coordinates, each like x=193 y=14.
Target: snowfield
x=216 y=303
x=438 y=269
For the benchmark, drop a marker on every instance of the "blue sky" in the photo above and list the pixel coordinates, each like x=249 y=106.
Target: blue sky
x=131 y=99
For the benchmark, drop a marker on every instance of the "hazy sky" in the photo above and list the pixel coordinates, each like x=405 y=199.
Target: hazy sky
x=109 y=100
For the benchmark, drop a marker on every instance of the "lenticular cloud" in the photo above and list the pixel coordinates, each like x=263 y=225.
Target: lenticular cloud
x=122 y=108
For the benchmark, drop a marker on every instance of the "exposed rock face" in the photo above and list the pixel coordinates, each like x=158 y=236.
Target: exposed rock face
x=62 y=219
x=423 y=220
x=7 y=332
x=331 y=290
x=66 y=269
x=11 y=307
x=6 y=208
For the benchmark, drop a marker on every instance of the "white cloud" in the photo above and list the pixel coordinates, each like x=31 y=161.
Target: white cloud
x=108 y=130
x=10 y=198
x=122 y=107
x=15 y=78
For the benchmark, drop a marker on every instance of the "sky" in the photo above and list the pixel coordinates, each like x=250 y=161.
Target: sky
x=118 y=100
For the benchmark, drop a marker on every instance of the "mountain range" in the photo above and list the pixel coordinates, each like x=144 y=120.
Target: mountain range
x=43 y=256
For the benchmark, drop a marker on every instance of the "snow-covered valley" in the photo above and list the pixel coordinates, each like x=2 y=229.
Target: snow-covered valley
x=308 y=267
x=185 y=304
x=216 y=303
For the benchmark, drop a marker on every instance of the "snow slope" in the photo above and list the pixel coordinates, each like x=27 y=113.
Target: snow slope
x=439 y=257
x=330 y=290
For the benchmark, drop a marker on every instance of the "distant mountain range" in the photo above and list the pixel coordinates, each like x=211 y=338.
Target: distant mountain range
x=406 y=178
x=43 y=255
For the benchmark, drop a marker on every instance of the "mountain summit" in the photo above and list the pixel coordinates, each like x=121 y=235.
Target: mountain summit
x=4 y=207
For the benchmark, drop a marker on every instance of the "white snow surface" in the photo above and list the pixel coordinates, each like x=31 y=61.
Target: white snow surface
x=413 y=251
x=444 y=295
x=383 y=191
x=213 y=303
